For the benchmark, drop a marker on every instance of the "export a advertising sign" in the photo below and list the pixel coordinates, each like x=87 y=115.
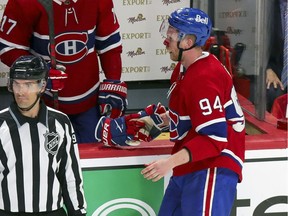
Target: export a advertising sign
x=144 y=56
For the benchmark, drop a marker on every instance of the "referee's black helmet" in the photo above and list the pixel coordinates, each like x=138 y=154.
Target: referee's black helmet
x=29 y=68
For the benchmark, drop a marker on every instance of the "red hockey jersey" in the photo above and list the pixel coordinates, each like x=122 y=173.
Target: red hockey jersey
x=83 y=29
x=206 y=117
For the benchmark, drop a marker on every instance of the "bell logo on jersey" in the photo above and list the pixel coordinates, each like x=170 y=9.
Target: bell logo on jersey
x=201 y=20
x=52 y=141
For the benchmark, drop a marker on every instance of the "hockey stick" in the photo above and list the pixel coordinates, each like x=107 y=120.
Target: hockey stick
x=48 y=6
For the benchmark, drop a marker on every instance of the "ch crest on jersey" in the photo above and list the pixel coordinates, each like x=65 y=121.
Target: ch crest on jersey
x=51 y=142
x=68 y=50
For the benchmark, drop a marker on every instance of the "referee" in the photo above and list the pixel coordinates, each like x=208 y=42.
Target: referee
x=39 y=158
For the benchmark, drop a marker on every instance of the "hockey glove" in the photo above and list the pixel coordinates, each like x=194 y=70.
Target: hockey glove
x=118 y=132
x=154 y=123
x=56 y=78
x=112 y=98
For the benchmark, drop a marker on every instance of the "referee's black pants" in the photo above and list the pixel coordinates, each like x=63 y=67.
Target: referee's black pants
x=59 y=212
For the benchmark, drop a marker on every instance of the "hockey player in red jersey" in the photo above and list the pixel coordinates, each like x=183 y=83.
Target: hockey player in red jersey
x=84 y=30
x=206 y=124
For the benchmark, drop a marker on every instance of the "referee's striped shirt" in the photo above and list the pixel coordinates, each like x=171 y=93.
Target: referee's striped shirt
x=39 y=163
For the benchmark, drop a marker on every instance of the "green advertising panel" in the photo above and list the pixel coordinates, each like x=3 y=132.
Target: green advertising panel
x=121 y=192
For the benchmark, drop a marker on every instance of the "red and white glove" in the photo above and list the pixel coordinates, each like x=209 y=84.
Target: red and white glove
x=118 y=132
x=130 y=130
x=56 y=78
x=154 y=117
x=112 y=98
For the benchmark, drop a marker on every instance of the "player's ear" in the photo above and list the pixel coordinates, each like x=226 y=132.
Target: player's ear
x=191 y=39
x=43 y=86
x=188 y=41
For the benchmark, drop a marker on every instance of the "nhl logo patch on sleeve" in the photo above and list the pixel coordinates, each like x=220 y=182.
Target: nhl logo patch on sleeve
x=51 y=142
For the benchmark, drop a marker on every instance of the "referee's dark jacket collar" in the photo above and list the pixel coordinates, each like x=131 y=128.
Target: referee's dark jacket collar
x=41 y=117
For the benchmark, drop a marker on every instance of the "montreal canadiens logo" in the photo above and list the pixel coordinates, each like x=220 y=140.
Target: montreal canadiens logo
x=124 y=203
x=71 y=47
x=51 y=142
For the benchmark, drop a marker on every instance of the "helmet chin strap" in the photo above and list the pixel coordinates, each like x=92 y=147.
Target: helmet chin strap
x=32 y=105
x=181 y=50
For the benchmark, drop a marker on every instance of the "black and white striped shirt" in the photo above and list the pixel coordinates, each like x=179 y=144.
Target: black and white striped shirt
x=39 y=163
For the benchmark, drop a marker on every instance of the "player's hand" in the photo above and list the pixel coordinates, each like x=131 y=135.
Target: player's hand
x=157 y=169
x=56 y=78
x=155 y=119
x=112 y=98
x=155 y=112
x=272 y=79
x=118 y=132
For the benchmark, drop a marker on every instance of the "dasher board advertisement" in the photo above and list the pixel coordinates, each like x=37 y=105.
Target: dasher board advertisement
x=121 y=192
x=264 y=189
x=115 y=187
